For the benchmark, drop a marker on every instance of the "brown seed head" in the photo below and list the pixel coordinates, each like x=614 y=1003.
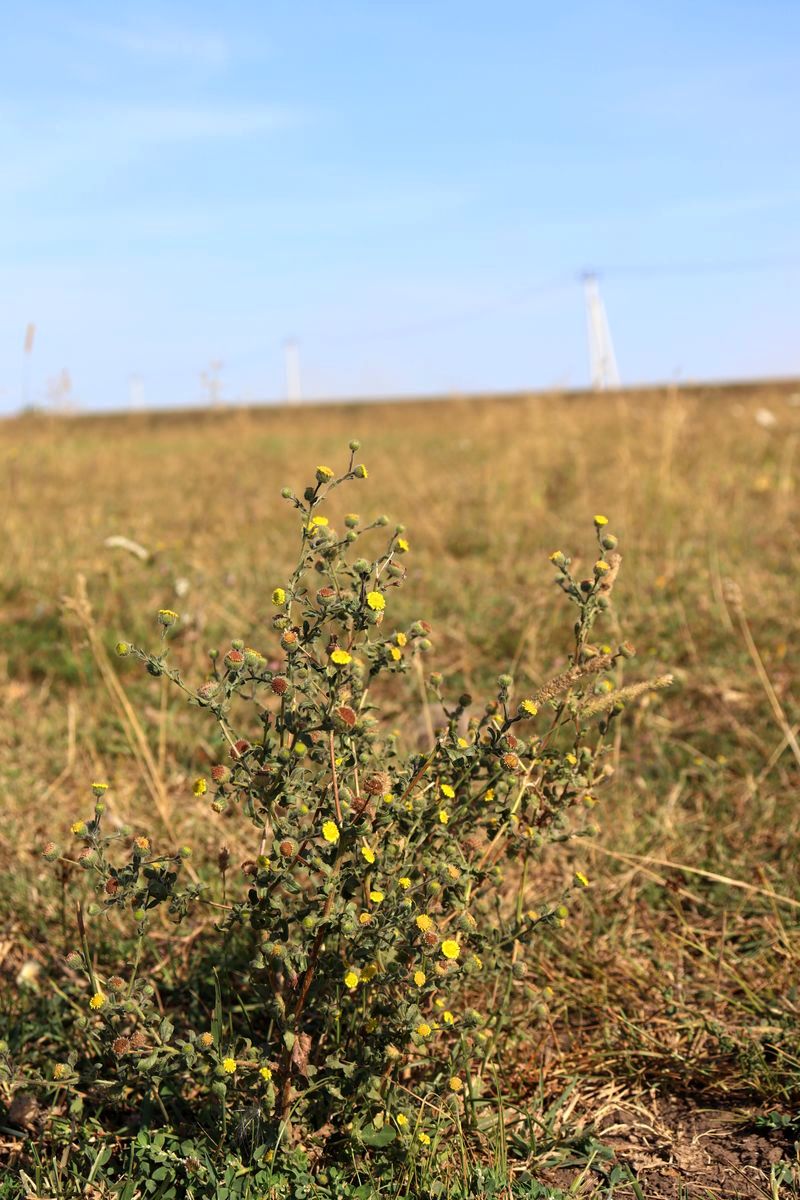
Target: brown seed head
x=377 y=784
x=346 y=715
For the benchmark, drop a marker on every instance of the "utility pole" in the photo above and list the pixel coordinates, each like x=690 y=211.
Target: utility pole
x=291 y=360
x=27 y=351
x=602 y=360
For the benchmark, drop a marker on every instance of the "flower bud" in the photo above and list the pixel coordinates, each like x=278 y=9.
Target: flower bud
x=207 y=691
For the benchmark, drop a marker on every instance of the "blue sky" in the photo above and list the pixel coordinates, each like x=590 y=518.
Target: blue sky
x=408 y=187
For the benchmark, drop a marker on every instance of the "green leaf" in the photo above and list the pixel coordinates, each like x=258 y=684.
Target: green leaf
x=377 y=1137
x=216 y=1019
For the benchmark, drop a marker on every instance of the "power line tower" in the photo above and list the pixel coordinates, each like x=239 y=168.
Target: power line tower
x=211 y=381
x=291 y=361
x=135 y=393
x=602 y=360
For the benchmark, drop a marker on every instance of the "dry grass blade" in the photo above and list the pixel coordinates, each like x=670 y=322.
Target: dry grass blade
x=728 y=880
x=80 y=606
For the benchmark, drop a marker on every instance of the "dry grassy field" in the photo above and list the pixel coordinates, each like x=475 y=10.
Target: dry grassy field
x=672 y=1046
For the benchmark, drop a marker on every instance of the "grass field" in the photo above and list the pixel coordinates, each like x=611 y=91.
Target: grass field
x=672 y=1049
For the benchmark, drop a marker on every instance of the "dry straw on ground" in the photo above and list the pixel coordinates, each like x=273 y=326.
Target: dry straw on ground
x=675 y=984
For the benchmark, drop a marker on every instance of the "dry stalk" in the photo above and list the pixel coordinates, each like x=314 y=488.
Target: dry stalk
x=80 y=606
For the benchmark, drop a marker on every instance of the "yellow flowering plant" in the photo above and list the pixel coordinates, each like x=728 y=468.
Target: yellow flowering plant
x=370 y=917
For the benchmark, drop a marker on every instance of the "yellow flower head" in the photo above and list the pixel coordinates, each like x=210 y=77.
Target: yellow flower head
x=97 y=1001
x=601 y=566
x=401 y=639
x=376 y=897
x=341 y=657
x=424 y=922
x=167 y=617
x=330 y=831
x=78 y=828
x=600 y=521
x=405 y=882
x=424 y=1029
x=229 y=1065
x=60 y=1071
x=402 y=546
x=419 y=978
x=450 y=949
x=279 y=597
x=206 y=1040
x=455 y=1084
x=266 y=1074
x=423 y=1138
x=376 y=601
x=581 y=879
x=529 y=708
x=489 y=795
x=324 y=474
x=364 y=918
x=317 y=523
x=444 y=816
x=447 y=791
x=448 y=1017
x=99 y=788
x=402 y=1120
x=200 y=787
x=396 y=653
x=351 y=979
x=368 y=854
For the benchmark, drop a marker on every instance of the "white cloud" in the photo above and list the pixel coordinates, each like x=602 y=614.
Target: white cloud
x=81 y=140
x=162 y=43
x=141 y=126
